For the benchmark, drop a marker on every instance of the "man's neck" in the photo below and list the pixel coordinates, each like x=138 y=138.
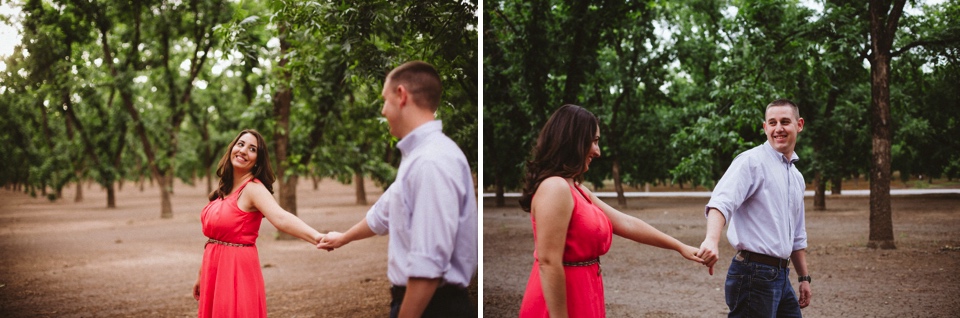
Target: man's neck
x=415 y=121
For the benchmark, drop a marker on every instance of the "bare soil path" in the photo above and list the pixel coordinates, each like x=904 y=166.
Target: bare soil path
x=66 y=259
x=918 y=279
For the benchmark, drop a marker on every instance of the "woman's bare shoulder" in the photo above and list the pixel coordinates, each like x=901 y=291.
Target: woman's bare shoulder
x=554 y=183
x=552 y=189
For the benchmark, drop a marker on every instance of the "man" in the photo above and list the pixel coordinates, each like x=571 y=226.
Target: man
x=761 y=195
x=430 y=210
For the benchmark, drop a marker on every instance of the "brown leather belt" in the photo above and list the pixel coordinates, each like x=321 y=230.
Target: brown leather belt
x=582 y=264
x=764 y=259
x=210 y=240
x=585 y=264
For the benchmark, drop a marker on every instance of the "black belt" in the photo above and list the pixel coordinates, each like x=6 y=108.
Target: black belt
x=764 y=259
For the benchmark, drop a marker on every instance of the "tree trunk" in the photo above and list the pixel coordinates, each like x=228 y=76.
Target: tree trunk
x=498 y=184
x=209 y=181
x=882 y=30
x=535 y=70
x=618 y=183
x=288 y=201
x=281 y=107
x=820 y=189
x=78 y=197
x=835 y=185
x=361 y=191
x=111 y=197
x=166 y=189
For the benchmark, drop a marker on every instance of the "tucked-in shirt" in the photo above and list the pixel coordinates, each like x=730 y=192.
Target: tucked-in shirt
x=430 y=211
x=761 y=197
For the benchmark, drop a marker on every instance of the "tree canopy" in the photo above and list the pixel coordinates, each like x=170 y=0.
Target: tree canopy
x=153 y=91
x=680 y=87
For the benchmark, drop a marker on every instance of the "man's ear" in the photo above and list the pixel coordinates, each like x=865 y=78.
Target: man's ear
x=800 y=125
x=402 y=94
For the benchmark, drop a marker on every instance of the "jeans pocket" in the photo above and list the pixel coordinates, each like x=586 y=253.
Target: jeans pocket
x=765 y=273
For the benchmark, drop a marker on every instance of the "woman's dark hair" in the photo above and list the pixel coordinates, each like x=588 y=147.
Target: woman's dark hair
x=261 y=169
x=561 y=150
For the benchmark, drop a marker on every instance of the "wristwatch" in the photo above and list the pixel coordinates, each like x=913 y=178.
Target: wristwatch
x=805 y=278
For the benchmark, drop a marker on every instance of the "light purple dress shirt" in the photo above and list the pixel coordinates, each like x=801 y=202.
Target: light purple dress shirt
x=430 y=211
x=761 y=197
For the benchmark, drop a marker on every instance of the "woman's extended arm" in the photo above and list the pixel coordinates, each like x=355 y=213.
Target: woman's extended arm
x=552 y=208
x=263 y=201
x=637 y=230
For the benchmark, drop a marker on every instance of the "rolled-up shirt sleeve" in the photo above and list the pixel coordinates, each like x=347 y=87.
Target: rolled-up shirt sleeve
x=378 y=217
x=736 y=185
x=434 y=218
x=800 y=240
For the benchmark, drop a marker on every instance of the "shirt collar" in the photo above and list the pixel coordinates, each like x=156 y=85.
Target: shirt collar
x=793 y=158
x=418 y=135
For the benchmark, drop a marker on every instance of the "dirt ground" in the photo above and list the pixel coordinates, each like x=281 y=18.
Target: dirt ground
x=66 y=259
x=918 y=279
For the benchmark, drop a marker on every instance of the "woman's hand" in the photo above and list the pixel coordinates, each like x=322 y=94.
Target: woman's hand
x=196 y=290
x=690 y=253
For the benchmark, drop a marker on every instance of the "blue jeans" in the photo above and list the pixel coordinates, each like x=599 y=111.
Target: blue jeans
x=448 y=301
x=759 y=290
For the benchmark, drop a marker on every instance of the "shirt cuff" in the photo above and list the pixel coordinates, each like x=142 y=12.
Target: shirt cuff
x=706 y=211
x=376 y=223
x=424 y=266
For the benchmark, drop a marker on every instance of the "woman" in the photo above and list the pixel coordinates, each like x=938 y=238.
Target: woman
x=230 y=283
x=572 y=228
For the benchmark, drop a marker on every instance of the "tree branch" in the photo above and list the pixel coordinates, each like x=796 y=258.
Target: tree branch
x=893 y=20
x=509 y=23
x=924 y=43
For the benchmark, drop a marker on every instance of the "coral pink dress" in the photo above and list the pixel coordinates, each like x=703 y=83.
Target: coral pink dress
x=588 y=236
x=231 y=284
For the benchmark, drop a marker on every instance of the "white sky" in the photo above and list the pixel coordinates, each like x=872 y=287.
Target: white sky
x=10 y=34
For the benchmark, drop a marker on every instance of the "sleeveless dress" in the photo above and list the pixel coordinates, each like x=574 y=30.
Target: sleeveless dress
x=231 y=283
x=588 y=236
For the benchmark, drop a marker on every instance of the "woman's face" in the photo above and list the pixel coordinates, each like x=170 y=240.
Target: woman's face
x=244 y=153
x=594 y=150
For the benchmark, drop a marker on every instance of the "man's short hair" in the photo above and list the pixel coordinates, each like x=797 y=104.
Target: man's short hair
x=784 y=102
x=422 y=82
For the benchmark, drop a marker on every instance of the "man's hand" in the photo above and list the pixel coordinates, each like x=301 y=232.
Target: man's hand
x=709 y=252
x=805 y=294
x=331 y=241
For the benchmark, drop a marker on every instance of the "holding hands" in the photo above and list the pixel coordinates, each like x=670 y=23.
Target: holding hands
x=690 y=253
x=331 y=241
x=709 y=252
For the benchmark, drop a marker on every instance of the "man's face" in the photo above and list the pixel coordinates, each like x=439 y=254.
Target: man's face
x=782 y=126
x=391 y=106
